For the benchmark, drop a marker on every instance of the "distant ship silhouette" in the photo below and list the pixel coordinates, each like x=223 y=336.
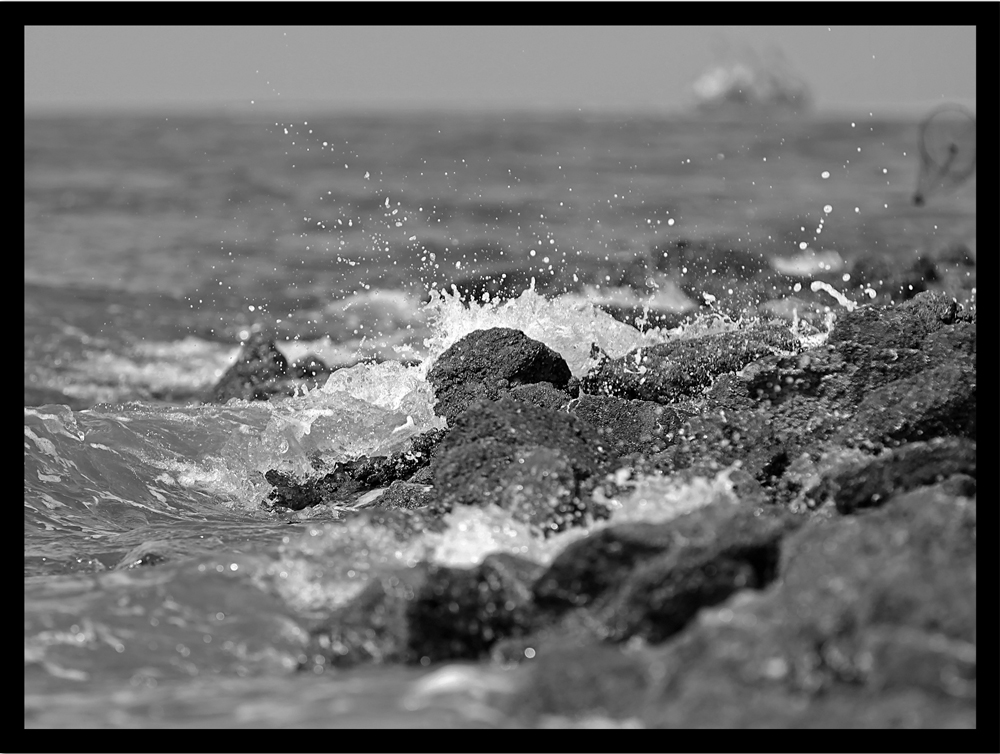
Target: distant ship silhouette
x=748 y=84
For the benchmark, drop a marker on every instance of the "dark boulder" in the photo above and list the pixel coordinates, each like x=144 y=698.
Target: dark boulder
x=539 y=464
x=650 y=580
x=901 y=326
x=486 y=364
x=936 y=402
x=627 y=427
x=261 y=372
x=869 y=483
x=541 y=394
x=871 y=608
x=431 y=612
x=684 y=368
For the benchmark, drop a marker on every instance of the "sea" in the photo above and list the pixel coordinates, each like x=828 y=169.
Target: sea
x=159 y=590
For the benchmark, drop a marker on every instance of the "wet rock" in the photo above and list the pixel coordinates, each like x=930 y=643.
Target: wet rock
x=685 y=368
x=486 y=364
x=869 y=610
x=259 y=370
x=541 y=394
x=715 y=440
x=380 y=471
x=404 y=495
x=431 y=612
x=540 y=464
x=935 y=402
x=650 y=580
x=403 y=522
x=372 y=627
x=462 y=613
x=337 y=487
x=348 y=479
x=871 y=482
x=311 y=369
x=262 y=372
x=902 y=326
x=626 y=426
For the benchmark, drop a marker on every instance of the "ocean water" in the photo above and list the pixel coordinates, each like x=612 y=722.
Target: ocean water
x=153 y=245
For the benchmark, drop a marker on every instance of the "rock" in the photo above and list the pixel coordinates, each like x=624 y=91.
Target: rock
x=869 y=610
x=311 y=369
x=405 y=495
x=541 y=394
x=372 y=627
x=256 y=375
x=625 y=426
x=902 y=326
x=349 y=479
x=538 y=463
x=262 y=372
x=644 y=318
x=339 y=487
x=403 y=522
x=651 y=579
x=935 y=402
x=461 y=613
x=431 y=612
x=486 y=364
x=871 y=482
x=684 y=368
x=716 y=440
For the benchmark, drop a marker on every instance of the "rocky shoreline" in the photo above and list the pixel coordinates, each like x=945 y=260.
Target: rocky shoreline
x=834 y=585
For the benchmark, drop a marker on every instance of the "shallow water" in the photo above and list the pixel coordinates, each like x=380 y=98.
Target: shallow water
x=152 y=245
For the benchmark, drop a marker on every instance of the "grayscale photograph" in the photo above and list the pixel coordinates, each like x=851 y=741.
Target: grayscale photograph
x=501 y=376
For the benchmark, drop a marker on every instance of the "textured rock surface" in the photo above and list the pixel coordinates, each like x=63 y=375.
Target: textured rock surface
x=486 y=364
x=262 y=372
x=685 y=368
x=430 y=612
x=351 y=478
x=834 y=587
x=539 y=464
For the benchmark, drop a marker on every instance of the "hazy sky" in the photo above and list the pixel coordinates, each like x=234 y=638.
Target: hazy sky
x=885 y=68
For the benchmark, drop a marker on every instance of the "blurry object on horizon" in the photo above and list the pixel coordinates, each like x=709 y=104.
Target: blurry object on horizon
x=947 y=150
x=749 y=84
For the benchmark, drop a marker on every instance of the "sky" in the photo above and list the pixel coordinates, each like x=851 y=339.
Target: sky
x=890 y=69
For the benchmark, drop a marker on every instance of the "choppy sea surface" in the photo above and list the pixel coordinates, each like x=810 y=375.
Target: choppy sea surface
x=153 y=245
